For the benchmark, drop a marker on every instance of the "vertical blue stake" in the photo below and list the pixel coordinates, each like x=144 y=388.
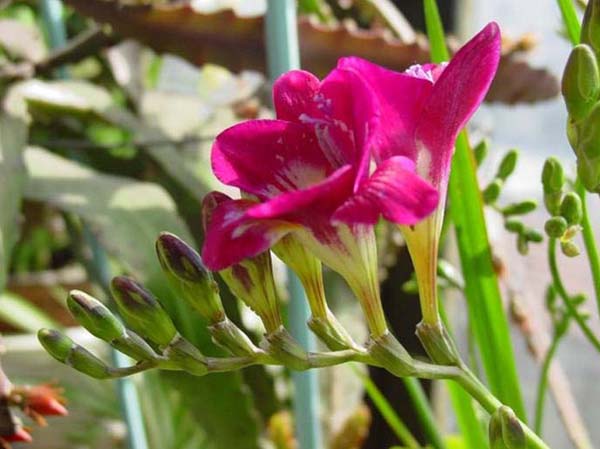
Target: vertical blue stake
x=282 y=55
x=52 y=16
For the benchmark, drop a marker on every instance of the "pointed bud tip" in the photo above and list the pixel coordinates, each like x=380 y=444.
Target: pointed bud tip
x=57 y=344
x=180 y=259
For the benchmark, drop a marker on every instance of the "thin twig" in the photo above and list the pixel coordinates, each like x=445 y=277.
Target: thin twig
x=83 y=45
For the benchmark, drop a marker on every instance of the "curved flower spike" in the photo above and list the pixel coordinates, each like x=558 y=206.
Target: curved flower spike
x=424 y=109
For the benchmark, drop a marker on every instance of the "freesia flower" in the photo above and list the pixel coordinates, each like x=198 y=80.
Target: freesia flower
x=300 y=173
x=424 y=109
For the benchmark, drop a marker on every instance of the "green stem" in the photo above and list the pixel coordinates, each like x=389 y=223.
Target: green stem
x=543 y=383
x=423 y=410
x=489 y=402
x=562 y=292
x=590 y=242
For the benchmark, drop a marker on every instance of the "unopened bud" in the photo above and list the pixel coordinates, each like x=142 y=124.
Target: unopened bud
x=186 y=273
x=571 y=208
x=512 y=430
x=63 y=349
x=495 y=432
x=581 y=82
x=492 y=191
x=521 y=208
x=252 y=282
x=142 y=311
x=553 y=176
x=514 y=225
x=508 y=164
x=569 y=248
x=481 y=150
x=94 y=316
x=555 y=227
x=57 y=344
x=533 y=236
x=522 y=245
x=134 y=346
x=588 y=151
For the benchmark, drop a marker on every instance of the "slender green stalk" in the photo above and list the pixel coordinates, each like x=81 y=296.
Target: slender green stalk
x=424 y=412
x=590 y=242
x=569 y=15
x=490 y=403
x=543 y=382
x=562 y=292
x=391 y=417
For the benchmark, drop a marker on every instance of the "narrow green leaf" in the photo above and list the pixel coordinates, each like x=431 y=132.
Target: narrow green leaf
x=570 y=19
x=486 y=311
x=20 y=313
x=387 y=411
x=469 y=424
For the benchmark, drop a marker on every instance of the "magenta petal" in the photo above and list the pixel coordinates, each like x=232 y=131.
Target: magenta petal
x=232 y=236
x=267 y=157
x=456 y=95
x=315 y=203
x=294 y=94
x=394 y=191
x=400 y=99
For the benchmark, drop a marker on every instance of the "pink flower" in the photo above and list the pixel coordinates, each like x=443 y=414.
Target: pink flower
x=424 y=109
x=300 y=173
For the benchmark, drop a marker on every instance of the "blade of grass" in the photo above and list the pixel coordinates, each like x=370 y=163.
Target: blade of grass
x=468 y=422
x=484 y=301
x=387 y=411
x=423 y=410
x=567 y=9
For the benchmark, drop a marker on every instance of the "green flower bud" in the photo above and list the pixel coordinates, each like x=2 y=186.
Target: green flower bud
x=553 y=176
x=94 y=316
x=590 y=29
x=495 y=432
x=252 y=282
x=522 y=245
x=481 y=150
x=588 y=151
x=187 y=274
x=569 y=248
x=571 y=208
x=521 y=208
x=507 y=165
x=512 y=430
x=63 y=349
x=142 y=311
x=556 y=227
x=533 y=236
x=581 y=82
x=514 y=225
x=492 y=191
x=87 y=363
x=134 y=346
x=571 y=232
x=57 y=344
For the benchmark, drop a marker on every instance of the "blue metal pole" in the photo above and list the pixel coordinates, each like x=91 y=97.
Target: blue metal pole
x=52 y=15
x=282 y=55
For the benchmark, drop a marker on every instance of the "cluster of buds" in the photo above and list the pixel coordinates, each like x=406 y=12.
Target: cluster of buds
x=511 y=212
x=147 y=334
x=581 y=91
x=566 y=209
x=37 y=402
